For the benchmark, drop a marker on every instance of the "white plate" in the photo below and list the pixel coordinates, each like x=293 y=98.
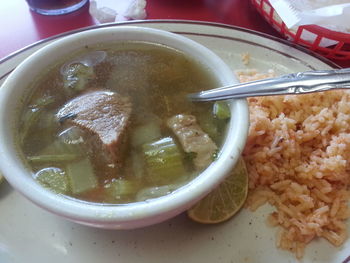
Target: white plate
x=30 y=234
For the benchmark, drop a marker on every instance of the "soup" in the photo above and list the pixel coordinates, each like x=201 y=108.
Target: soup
x=111 y=124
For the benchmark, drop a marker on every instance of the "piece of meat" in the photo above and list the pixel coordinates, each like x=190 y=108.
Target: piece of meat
x=105 y=114
x=193 y=139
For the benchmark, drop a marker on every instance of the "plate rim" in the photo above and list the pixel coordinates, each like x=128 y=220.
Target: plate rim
x=174 y=21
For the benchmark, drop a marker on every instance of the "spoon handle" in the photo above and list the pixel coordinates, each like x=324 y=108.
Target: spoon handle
x=290 y=84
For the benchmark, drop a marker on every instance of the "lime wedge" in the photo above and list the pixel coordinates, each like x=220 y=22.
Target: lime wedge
x=225 y=200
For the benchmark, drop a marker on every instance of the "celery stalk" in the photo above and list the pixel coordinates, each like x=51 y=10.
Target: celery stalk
x=163 y=161
x=137 y=164
x=158 y=191
x=221 y=110
x=145 y=133
x=53 y=158
x=209 y=125
x=120 y=188
x=81 y=175
x=54 y=179
x=153 y=192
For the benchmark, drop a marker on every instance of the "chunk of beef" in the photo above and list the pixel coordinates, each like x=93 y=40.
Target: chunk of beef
x=105 y=114
x=193 y=139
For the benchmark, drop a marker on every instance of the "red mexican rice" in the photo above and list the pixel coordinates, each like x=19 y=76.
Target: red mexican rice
x=297 y=155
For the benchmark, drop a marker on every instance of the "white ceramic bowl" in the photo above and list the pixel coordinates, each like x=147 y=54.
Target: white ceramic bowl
x=15 y=88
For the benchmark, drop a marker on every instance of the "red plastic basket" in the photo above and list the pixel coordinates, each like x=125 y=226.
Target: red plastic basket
x=339 y=51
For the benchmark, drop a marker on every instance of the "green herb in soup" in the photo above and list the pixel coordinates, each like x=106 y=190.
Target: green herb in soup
x=111 y=124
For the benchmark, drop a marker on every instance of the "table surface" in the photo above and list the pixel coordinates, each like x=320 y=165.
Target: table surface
x=21 y=27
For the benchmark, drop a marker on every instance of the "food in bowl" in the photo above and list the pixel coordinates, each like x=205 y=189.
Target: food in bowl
x=112 y=124
x=17 y=89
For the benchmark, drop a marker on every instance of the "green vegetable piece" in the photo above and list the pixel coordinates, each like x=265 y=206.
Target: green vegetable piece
x=35 y=115
x=209 y=125
x=54 y=179
x=212 y=126
x=81 y=176
x=77 y=76
x=53 y=158
x=163 y=161
x=145 y=133
x=120 y=188
x=221 y=110
x=153 y=192
x=158 y=191
x=137 y=164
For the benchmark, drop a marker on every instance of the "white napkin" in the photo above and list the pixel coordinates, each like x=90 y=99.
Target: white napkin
x=330 y=14
x=105 y=11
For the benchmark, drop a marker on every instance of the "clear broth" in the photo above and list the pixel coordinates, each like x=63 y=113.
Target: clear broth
x=156 y=78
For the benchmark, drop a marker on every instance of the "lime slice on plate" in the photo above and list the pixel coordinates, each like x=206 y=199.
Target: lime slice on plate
x=225 y=200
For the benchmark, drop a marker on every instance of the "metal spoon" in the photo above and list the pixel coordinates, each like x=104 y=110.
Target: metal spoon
x=290 y=84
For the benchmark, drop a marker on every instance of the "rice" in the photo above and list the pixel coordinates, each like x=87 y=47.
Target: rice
x=297 y=157
x=245 y=57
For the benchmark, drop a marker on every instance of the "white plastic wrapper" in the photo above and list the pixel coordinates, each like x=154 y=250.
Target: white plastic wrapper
x=330 y=14
x=106 y=11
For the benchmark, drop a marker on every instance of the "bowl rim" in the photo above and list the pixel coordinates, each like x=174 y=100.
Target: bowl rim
x=139 y=213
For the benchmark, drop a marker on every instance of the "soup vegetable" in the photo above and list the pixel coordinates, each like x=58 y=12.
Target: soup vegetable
x=111 y=124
